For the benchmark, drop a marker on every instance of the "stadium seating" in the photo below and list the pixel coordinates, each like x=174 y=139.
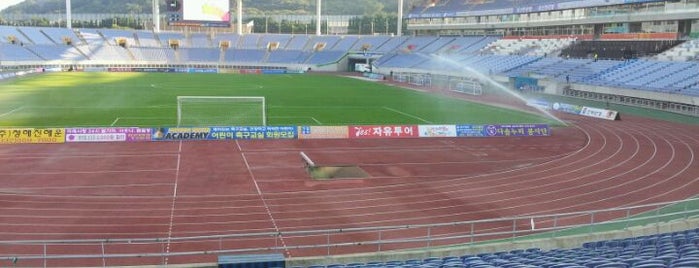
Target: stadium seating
x=166 y=37
x=687 y=51
x=9 y=52
x=152 y=54
x=37 y=36
x=54 y=52
x=485 y=54
x=298 y=42
x=10 y=34
x=232 y=38
x=371 y=43
x=147 y=39
x=199 y=40
x=345 y=44
x=668 y=250
x=617 y=49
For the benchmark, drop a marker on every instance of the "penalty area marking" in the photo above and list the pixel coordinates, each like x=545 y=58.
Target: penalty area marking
x=115 y=121
x=12 y=111
x=407 y=114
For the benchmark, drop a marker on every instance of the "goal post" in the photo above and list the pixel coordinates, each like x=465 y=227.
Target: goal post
x=467 y=86
x=221 y=111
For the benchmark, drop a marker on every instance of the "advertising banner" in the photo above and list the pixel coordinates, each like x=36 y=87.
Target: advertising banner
x=567 y=108
x=274 y=71
x=599 y=113
x=470 y=131
x=180 y=133
x=514 y=130
x=517 y=130
x=32 y=135
x=323 y=132
x=119 y=69
x=437 y=130
x=250 y=71
x=253 y=133
x=390 y=131
x=130 y=134
x=539 y=104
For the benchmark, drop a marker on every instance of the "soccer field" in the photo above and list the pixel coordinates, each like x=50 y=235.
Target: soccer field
x=150 y=100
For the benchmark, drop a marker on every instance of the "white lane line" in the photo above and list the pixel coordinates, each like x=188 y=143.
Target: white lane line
x=407 y=114
x=115 y=121
x=174 y=199
x=13 y=111
x=264 y=201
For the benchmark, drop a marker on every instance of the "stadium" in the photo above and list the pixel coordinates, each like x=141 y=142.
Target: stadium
x=488 y=133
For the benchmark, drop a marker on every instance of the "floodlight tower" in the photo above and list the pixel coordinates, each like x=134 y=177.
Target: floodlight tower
x=399 y=30
x=239 y=12
x=318 y=19
x=156 y=16
x=69 y=16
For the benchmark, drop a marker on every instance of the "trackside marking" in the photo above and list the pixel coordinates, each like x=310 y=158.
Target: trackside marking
x=407 y=114
x=174 y=199
x=264 y=201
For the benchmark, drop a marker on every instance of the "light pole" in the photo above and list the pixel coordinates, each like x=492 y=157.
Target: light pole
x=69 y=15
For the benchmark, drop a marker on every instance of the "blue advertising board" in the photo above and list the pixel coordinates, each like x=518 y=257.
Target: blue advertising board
x=225 y=133
x=512 y=130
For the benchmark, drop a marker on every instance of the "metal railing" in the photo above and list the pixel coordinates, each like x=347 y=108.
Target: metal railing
x=159 y=250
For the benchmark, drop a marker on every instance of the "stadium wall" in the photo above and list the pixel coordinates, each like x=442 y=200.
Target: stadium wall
x=565 y=242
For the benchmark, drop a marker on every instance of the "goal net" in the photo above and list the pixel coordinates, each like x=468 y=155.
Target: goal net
x=467 y=86
x=195 y=111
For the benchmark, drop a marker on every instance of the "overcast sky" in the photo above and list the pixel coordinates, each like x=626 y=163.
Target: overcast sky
x=6 y=3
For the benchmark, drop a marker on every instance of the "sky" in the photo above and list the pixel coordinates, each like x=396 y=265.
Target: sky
x=6 y=3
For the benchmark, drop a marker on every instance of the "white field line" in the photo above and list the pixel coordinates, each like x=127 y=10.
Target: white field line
x=407 y=114
x=13 y=111
x=115 y=121
x=316 y=120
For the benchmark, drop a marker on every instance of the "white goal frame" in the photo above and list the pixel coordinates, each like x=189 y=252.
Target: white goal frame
x=467 y=86
x=255 y=98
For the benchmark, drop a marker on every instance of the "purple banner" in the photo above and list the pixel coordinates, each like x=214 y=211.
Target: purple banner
x=113 y=134
x=517 y=130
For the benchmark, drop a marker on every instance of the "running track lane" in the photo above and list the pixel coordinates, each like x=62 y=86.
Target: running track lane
x=126 y=190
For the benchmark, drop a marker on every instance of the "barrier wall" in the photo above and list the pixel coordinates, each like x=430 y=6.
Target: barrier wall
x=575 y=109
x=138 y=134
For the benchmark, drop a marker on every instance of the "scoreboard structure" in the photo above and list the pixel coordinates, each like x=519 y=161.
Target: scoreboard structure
x=205 y=13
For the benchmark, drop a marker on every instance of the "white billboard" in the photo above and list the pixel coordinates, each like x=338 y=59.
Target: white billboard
x=206 y=10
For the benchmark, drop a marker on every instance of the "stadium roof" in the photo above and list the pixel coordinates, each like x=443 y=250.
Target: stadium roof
x=462 y=8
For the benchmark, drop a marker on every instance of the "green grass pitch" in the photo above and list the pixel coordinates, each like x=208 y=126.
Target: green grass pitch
x=149 y=100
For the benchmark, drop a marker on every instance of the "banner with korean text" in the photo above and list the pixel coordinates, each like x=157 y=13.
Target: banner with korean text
x=253 y=133
x=512 y=130
x=599 y=113
x=32 y=135
x=112 y=134
x=384 y=131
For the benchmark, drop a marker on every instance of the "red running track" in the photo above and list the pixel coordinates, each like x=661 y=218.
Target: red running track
x=171 y=189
